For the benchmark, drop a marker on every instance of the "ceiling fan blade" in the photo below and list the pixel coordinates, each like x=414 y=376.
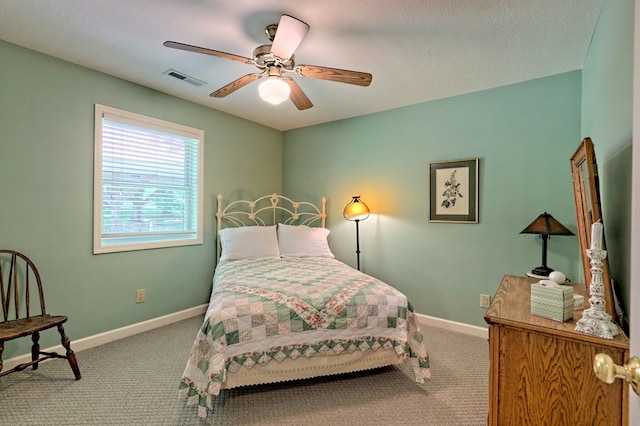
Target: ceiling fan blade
x=203 y=50
x=235 y=85
x=297 y=96
x=289 y=35
x=334 y=74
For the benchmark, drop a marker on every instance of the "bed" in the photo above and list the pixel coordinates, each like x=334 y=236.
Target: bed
x=283 y=308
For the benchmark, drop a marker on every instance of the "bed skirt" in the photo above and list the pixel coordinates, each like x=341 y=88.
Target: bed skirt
x=305 y=368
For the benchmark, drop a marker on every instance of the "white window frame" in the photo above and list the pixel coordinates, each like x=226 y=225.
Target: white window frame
x=125 y=242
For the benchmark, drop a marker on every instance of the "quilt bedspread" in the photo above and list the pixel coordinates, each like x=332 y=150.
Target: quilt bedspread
x=267 y=310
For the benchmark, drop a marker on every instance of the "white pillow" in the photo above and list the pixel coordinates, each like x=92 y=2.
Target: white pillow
x=249 y=242
x=303 y=241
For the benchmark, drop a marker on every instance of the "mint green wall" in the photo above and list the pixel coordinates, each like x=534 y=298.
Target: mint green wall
x=523 y=134
x=607 y=91
x=46 y=170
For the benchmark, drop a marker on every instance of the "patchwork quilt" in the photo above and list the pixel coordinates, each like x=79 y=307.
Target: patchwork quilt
x=270 y=309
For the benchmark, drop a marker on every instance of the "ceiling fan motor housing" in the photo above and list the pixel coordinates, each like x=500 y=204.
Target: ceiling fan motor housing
x=264 y=58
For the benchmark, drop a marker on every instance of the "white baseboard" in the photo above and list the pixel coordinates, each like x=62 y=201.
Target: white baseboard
x=458 y=327
x=111 y=335
x=141 y=327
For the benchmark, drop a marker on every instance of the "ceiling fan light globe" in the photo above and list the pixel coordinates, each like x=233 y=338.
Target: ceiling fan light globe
x=274 y=90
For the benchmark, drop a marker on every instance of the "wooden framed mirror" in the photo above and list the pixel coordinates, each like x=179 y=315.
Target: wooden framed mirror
x=586 y=189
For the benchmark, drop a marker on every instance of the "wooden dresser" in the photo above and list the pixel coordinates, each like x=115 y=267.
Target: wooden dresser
x=541 y=370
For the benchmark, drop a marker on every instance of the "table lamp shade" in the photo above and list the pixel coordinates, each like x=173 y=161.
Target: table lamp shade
x=546 y=224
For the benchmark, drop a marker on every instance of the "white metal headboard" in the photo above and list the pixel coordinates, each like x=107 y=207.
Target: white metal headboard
x=269 y=210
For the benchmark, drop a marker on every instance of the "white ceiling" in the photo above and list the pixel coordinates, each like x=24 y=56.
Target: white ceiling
x=417 y=50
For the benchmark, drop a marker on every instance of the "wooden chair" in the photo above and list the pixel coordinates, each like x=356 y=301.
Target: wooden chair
x=19 y=283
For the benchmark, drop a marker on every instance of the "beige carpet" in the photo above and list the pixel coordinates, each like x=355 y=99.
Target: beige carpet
x=134 y=381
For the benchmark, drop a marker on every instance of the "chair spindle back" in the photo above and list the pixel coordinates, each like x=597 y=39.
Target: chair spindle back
x=19 y=281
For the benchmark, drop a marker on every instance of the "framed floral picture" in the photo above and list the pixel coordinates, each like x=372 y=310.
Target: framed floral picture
x=453 y=191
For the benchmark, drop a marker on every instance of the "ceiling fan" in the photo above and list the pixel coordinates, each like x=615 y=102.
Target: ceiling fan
x=276 y=59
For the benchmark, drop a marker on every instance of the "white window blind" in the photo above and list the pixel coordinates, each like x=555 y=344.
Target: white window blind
x=148 y=186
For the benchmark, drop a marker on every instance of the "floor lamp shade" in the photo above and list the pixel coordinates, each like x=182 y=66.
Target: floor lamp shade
x=545 y=225
x=356 y=211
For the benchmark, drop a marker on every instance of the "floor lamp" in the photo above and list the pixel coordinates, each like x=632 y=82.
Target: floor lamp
x=356 y=211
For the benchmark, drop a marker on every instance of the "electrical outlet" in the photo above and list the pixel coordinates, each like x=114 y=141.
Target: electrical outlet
x=485 y=300
x=140 y=295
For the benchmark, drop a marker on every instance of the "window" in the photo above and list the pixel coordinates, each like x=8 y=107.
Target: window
x=147 y=182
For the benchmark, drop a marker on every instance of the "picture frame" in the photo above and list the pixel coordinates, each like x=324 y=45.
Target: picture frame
x=453 y=191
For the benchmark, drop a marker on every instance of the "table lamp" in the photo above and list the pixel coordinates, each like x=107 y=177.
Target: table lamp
x=545 y=225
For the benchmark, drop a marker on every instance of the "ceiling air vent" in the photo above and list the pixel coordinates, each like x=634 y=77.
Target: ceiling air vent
x=184 y=77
